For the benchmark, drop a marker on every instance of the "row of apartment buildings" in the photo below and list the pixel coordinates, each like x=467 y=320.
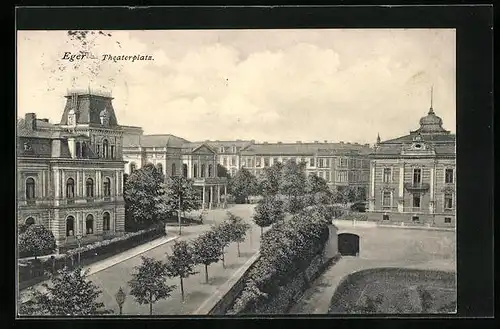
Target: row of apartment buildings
x=70 y=174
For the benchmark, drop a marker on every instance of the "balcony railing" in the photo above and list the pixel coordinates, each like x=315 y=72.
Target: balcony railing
x=417 y=187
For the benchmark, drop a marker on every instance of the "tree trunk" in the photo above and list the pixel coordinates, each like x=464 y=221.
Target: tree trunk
x=150 y=303
x=238 y=246
x=182 y=289
x=223 y=261
x=179 y=217
x=261 y=231
x=206 y=273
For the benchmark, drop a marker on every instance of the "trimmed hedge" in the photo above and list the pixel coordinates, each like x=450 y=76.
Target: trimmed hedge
x=287 y=248
x=31 y=271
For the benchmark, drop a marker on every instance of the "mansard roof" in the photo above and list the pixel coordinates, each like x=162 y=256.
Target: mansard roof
x=88 y=106
x=165 y=140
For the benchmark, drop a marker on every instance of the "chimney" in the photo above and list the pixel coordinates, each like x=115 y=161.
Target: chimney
x=326 y=141
x=30 y=119
x=298 y=142
x=341 y=142
x=316 y=142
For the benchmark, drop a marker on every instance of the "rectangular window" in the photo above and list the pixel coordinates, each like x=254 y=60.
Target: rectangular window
x=303 y=160
x=385 y=217
x=221 y=150
x=387 y=175
x=417 y=176
x=112 y=151
x=320 y=174
x=386 y=199
x=224 y=161
x=250 y=162
x=416 y=201
x=448 y=201
x=320 y=163
x=327 y=163
x=257 y=162
x=98 y=149
x=327 y=176
x=415 y=219
x=343 y=162
x=447 y=220
x=311 y=162
x=448 y=176
x=276 y=160
x=233 y=161
x=266 y=162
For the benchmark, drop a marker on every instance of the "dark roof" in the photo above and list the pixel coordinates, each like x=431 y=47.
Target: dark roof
x=167 y=140
x=446 y=137
x=299 y=148
x=44 y=129
x=88 y=106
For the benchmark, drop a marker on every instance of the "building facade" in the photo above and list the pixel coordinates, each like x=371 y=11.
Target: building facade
x=174 y=156
x=413 y=177
x=340 y=164
x=70 y=175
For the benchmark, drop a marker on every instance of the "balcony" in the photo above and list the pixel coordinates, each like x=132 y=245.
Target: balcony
x=417 y=187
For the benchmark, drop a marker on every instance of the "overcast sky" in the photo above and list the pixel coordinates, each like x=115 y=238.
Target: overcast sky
x=267 y=85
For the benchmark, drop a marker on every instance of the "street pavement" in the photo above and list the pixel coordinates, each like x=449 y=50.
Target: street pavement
x=381 y=247
x=196 y=290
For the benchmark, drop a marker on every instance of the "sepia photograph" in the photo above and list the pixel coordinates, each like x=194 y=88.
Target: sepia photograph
x=229 y=172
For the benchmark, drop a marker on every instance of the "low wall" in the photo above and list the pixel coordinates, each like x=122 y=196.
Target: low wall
x=223 y=299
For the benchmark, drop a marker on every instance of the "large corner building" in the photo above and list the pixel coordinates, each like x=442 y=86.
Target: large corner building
x=70 y=174
x=413 y=177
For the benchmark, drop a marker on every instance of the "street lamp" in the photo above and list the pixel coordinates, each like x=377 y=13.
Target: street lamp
x=79 y=240
x=120 y=298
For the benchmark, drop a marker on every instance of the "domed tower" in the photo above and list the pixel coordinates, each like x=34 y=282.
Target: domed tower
x=431 y=123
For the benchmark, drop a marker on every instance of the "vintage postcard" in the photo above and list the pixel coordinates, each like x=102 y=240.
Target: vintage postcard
x=231 y=172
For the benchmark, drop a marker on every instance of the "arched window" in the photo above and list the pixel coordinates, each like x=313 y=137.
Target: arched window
x=210 y=169
x=159 y=167
x=78 y=150
x=70 y=226
x=132 y=167
x=105 y=221
x=173 y=169
x=30 y=221
x=84 y=150
x=195 y=170
x=89 y=224
x=107 y=186
x=70 y=188
x=202 y=170
x=89 y=184
x=30 y=189
x=185 y=170
x=105 y=148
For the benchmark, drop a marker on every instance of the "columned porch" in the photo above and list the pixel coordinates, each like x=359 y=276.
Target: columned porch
x=213 y=191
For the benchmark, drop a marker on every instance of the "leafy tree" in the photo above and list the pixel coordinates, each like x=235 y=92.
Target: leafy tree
x=222 y=171
x=224 y=232
x=269 y=183
x=316 y=184
x=36 y=241
x=293 y=181
x=180 y=263
x=143 y=201
x=206 y=250
x=243 y=184
x=267 y=212
x=426 y=299
x=239 y=229
x=180 y=196
x=148 y=284
x=69 y=293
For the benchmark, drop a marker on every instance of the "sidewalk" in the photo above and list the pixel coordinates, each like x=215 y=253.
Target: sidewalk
x=108 y=262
